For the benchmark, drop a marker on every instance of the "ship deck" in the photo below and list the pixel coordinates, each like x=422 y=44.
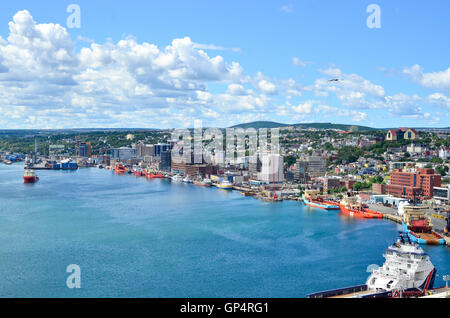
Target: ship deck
x=429 y=237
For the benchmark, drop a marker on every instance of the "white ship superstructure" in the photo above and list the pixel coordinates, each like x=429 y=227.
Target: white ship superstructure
x=407 y=272
x=407 y=266
x=177 y=178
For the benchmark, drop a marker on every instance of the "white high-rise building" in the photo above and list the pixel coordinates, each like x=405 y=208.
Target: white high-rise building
x=272 y=169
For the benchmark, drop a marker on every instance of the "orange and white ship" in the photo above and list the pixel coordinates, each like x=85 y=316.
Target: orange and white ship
x=313 y=199
x=350 y=206
x=30 y=176
x=120 y=169
x=152 y=174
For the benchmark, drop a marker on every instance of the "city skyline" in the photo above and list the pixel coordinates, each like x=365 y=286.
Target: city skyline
x=288 y=62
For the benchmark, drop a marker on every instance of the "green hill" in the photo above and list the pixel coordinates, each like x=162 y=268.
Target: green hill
x=335 y=126
x=260 y=124
x=271 y=124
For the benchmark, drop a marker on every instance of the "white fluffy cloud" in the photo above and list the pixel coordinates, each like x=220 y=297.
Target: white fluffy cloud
x=40 y=69
x=351 y=83
x=45 y=82
x=436 y=80
x=267 y=87
x=304 y=108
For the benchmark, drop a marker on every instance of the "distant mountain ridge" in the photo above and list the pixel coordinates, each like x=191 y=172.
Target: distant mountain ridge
x=272 y=124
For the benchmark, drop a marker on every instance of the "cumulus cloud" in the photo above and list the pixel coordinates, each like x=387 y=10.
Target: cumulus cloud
x=267 y=87
x=405 y=105
x=353 y=82
x=39 y=68
x=45 y=82
x=439 y=99
x=304 y=108
x=437 y=80
x=236 y=89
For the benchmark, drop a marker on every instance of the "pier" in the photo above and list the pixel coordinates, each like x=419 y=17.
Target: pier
x=395 y=218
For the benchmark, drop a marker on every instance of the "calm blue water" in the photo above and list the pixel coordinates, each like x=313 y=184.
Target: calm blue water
x=134 y=237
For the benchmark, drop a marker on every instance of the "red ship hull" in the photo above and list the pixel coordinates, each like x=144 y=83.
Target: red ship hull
x=120 y=169
x=153 y=176
x=366 y=214
x=30 y=179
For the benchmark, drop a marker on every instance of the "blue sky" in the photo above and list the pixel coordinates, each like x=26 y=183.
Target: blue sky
x=165 y=64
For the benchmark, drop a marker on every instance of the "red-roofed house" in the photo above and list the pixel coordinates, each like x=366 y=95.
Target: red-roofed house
x=401 y=133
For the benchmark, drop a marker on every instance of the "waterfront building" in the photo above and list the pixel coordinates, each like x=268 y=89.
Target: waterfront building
x=143 y=150
x=166 y=161
x=159 y=148
x=272 y=169
x=193 y=170
x=308 y=167
x=378 y=188
x=254 y=165
x=123 y=153
x=181 y=167
x=413 y=184
x=84 y=149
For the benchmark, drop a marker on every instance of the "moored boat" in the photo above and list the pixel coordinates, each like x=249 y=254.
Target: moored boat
x=350 y=206
x=187 y=179
x=177 y=178
x=418 y=226
x=203 y=183
x=30 y=176
x=407 y=272
x=120 y=169
x=152 y=174
x=313 y=199
x=226 y=185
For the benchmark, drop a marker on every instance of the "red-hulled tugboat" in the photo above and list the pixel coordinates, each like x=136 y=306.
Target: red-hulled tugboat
x=30 y=176
x=120 y=169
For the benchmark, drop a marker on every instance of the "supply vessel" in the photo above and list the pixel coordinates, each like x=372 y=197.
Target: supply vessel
x=407 y=272
x=313 y=199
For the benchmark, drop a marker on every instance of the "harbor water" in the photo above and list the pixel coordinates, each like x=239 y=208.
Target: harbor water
x=133 y=237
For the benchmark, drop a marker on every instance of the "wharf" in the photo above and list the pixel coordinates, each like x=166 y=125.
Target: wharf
x=388 y=213
x=392 y=217
x=437 y=293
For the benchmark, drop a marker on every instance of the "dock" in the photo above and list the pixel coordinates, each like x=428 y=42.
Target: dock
x=437 y=293
x=395 y=218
